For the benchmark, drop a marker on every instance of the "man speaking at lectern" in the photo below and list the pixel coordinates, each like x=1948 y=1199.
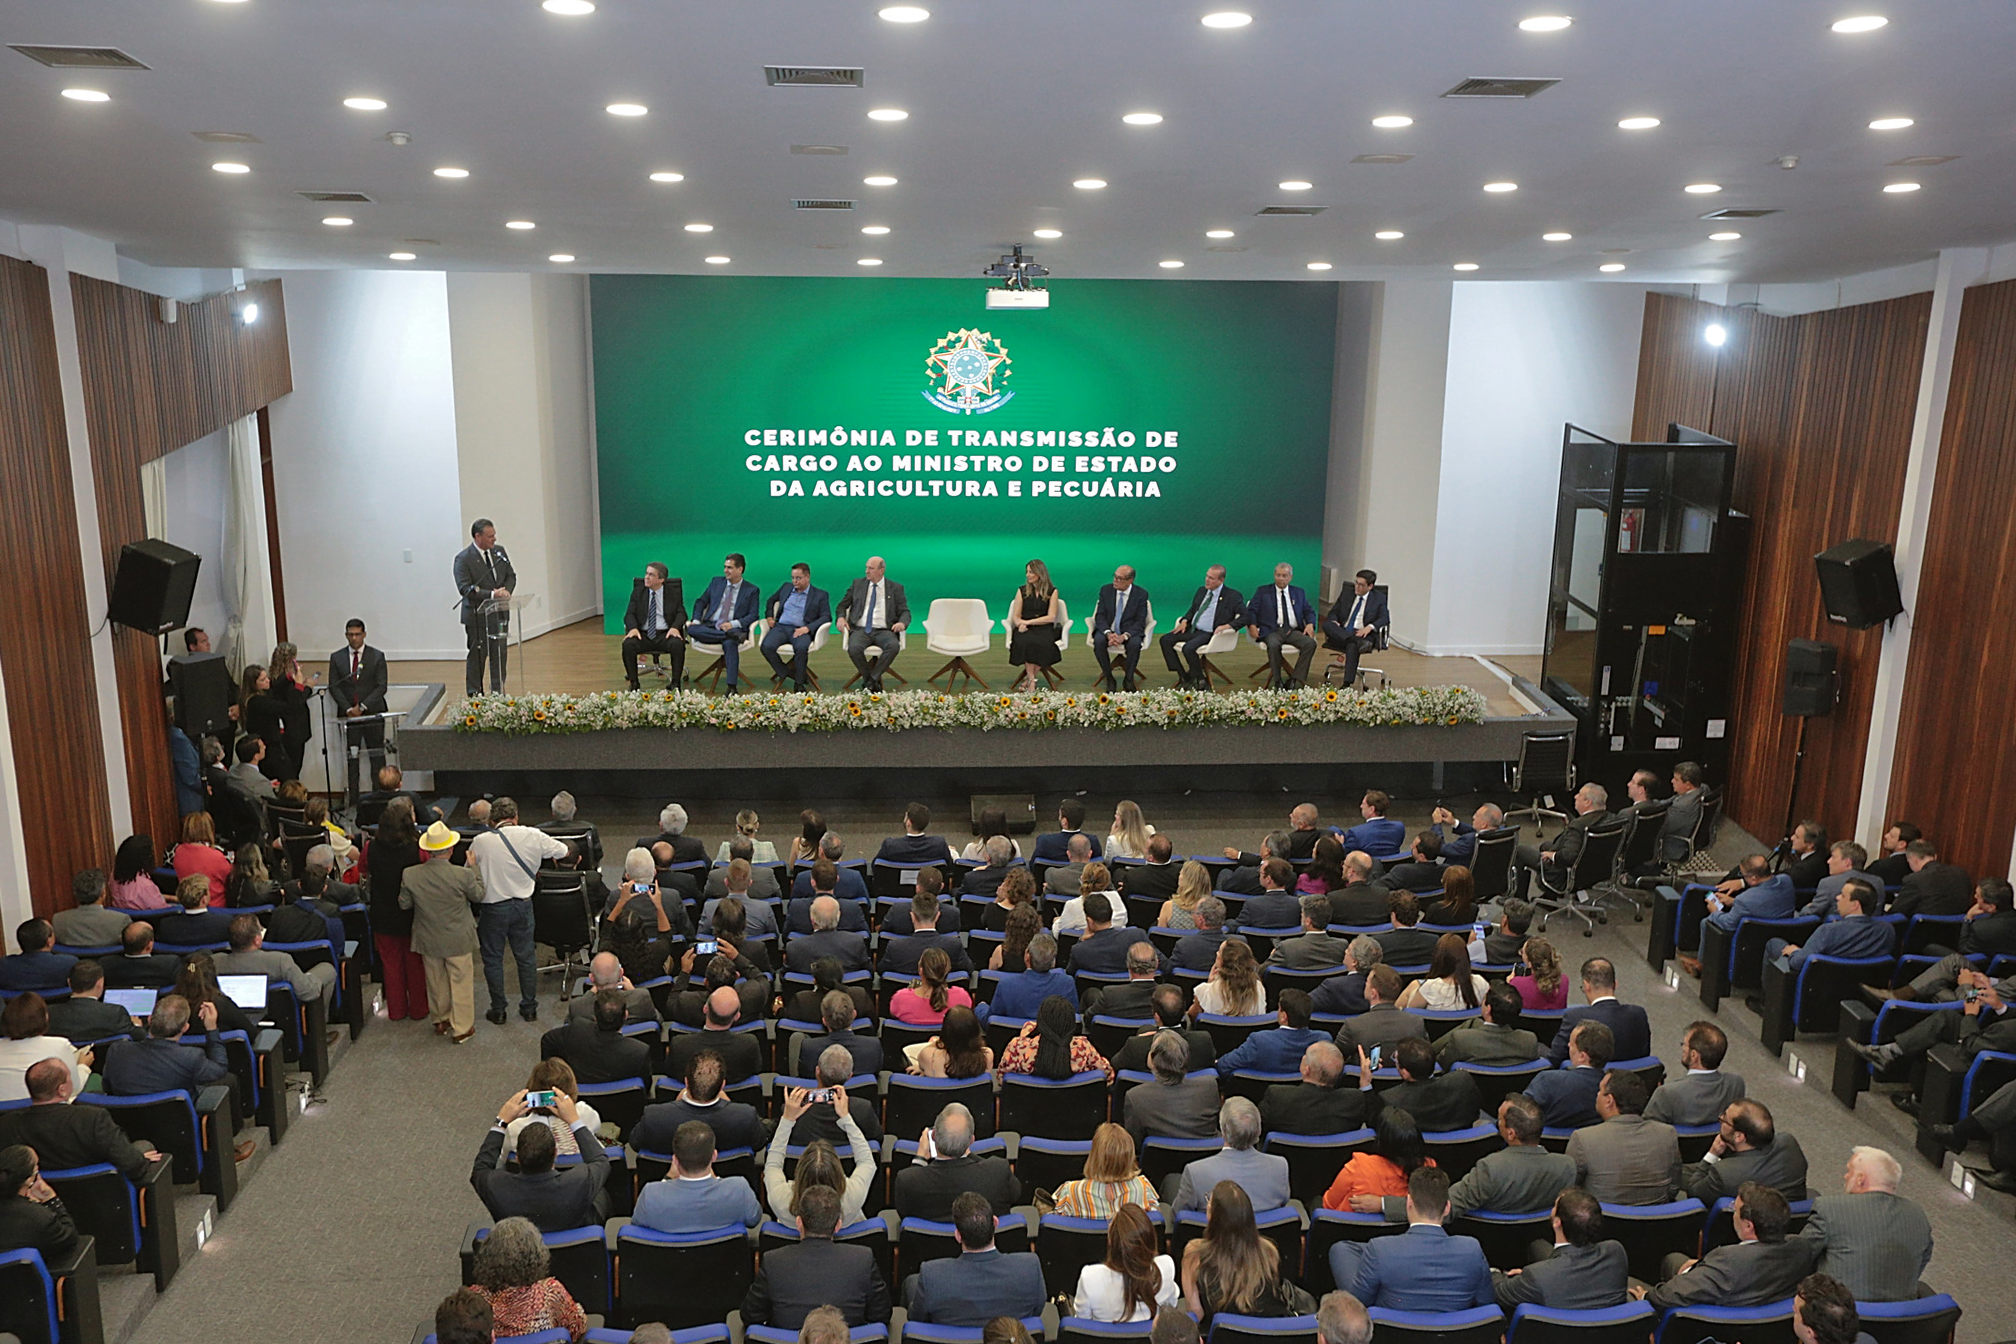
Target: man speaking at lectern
x=483 y=572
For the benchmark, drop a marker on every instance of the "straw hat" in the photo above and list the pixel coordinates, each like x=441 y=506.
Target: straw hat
x=438 y=837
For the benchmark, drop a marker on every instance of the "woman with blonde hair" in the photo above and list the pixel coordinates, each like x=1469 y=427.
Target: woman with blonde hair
x=1135 y=1280
x=1193 y=884
x=1130 y=832
x=1112 y=1178
x=1543 y=988
x=553 y=1075
x=1032 y=626
x=1234 y=989
x=747 y=824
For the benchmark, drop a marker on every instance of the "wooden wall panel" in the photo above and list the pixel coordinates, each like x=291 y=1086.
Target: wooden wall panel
x=1954 y=774
x=45 y=635
x=149 y=388
x=1819 y=407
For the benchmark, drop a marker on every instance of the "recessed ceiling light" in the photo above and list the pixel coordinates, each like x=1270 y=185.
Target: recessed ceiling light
x=1049 y=233
x=365 y=104
x=88 y=95
x=880 y=180
x=573 y=9
x=716 y=261
x=1389 y=235
x=869 y=261
x=1501 y=186
x=1727 y=236
x=1637 y=123
x=699 y=228
x=1556 y=237
x=875 y=230
x=1891 y=123
x=888 y=114
x=1218 y=233
x=1464 y=266
x=1171 y=265
x=1702 y=188
x=451 y=172
x=1319 y=265
x=403 y=256
x=519 y=224
x=1089 y=183
x=1545 y=23
x=668 y=177
x=1297 y=184
x=1611 y=267
x=338 y=222
x=905 y=13
x=562 y=257
x=230 y=168
x=1861 y=23
x=626 y=109
x=1897 y=188
x=1392 y=123
x=1226 y=18
x=1143 y=118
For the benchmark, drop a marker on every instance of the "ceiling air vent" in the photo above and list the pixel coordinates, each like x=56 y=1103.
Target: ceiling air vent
x=1382 y=158
x=1923 y=160
x=814 y=76
x=1741 y=212
x=803 y=204
x=227 y=137
x=1224 y=249
x=818 y=149
x=1500 y=87
x=345 y=197
x=81 y=58
x=1293 y=211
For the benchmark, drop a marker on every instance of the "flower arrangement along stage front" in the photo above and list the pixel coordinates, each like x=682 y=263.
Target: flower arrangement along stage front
x=1435 y=706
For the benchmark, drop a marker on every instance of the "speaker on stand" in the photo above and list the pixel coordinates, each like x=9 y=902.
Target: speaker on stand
x=1812 y=685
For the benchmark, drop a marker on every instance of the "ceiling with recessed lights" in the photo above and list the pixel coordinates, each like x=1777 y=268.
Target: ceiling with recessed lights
x=1008 y=116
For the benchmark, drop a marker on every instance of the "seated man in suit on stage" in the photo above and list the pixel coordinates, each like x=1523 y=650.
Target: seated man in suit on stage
x=1278 y=615
x=1263 y=1176
x=1585 y=1272
x=816 y=1274
x=1119 y=625
x=1630 y=1029
x=1567 y=1096
x=1701 y=1094
x=1761 y=1265
x=655 y=622
x=914 y=846
x=797 y=611
x=724 y=616
x=1748 y=1148
x=1592 y=809
x=1683 y=814
x=1355 y=621
x=1626 y=1159
x=1422 y=1269
x=874 y=613
x=980 y=1283
x=1317 y=1104
x=1214 y=607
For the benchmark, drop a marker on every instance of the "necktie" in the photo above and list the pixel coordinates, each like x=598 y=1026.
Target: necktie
x=490 y=565
x=870 y=623
x=1119 y=607
x=652 y=628
x=1357 y=612
x=1281 y=597
x=727 y=611
x=356 y=664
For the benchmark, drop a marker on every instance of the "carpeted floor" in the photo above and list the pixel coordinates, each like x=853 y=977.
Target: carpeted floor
x=349 y=1231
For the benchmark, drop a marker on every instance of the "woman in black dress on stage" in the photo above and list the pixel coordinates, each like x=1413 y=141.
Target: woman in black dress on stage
x=1032 y=626
x=261 y=714
x=296 y=721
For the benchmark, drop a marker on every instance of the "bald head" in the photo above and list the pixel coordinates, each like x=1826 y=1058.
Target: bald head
x=724 y=1007
x=825 y=913
x=605 y=971
x=1322 y=1064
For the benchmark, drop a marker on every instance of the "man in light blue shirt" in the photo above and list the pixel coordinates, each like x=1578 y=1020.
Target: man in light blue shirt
x=800 y=612
x=1855 y=934
x=1761 y=894
x=692 y=1198
x=1019 y=996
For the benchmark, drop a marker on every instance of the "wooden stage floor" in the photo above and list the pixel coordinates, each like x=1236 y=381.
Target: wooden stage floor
x=579 y=658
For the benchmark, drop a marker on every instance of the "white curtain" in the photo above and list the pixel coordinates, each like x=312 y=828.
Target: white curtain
x=250 y=629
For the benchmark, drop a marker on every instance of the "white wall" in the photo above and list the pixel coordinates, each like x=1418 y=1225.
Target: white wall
x=1522 y=360
x=197 y=480
x=364 y=462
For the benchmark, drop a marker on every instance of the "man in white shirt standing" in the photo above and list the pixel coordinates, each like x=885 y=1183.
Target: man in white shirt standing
x=874 y=612
x=507 y=857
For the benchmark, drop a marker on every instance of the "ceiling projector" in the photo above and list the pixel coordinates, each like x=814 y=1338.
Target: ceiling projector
x=1018 y=275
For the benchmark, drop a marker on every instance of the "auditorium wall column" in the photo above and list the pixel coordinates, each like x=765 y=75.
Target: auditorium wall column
x=1958 y=268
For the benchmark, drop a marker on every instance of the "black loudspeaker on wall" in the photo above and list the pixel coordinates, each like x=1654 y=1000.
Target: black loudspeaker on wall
x=202 y=688
x=1858 y=583
x=153 y=586
x=1809 y=678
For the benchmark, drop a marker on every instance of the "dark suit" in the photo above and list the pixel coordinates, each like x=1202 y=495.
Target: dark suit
x=793 y=1281
x=1629 y=1028
x=1360 y=905
x=853 y=916
x=1782 y=1166
x=1340 y=994
x=27 y=1225
x=1105 y=952
x=194 y=928
x=901 y=955
x=1190 y=639
x=821 y=1121
x=65 y=1136
x=1271 y=910
x=1318 y=951
x=1935 y=889
x=1055 y=846
x=1739 y=1274
x=1185 y=1110
x=985 y=881
x=81 y=1019
x=358 y=682
x=735 y=1125
x=709 y=626
x=1197 y=951
x=849 y=949
x=1263 y=614
x=1153 y=880
x=1566 y=848
x=818 y=612
x=671 y=618
x=1133 y=1056
x=1340 y=632
x=741 y=1053
x=1567 y=1097
x=973 y=1288
x=595 y=1055
x=926 y=1189
x=1989 y=935
x=1133 y=628
x=135 y=1068
x=848 y=885
x=892 y=614
x=35 y=970
x=1128 y=999
x=155 y=970
x=1439 y=1104
x=556 y=1200
x=866 y=1052
x=1304 y=1108
x=1410 y=945
x=1574 y=1278
x=476 y=578
x=1382 y=1025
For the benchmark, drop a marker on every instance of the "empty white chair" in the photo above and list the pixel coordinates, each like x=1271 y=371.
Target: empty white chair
x=1051 y=674
x=957 y=627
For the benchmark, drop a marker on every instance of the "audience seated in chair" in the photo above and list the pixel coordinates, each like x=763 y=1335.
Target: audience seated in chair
x=596 y=1047
x=1315 y=948
x=1626 y=1159
x=1760 y=1266
x=1199 y=951
x=1630 y=1029
x=1232 y=1268
x=1522 y=1177
x=837 y=1012
x=946 y=1167
x=1112 y=1178
x=554 y=1199
x=1278 y=1049
x=1171 y=1007
x=1382 y=1026
x=981 y=1282
x=821 y=1119
x=1438 y=1102
x=85 y=1016
x=1748 y=1148
x=66 y=1136
x=1493 y=1039
x=736 y=1124
x=1585 y=1272
x=1869 y=1237
x=819 y=1161
x=741 y=1052
x=1171 y=1104
x=1403 y=941
x=794 y=1281
x=1263 y=1176
x=1317 y=1105
x=1567 y=1096
x=605 y=972
x=510 y=1271
x=1423 y=1269
x=691 y=1198
x=1701 y=1094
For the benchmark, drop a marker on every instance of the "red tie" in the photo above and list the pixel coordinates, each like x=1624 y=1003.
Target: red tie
x=356 y=664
